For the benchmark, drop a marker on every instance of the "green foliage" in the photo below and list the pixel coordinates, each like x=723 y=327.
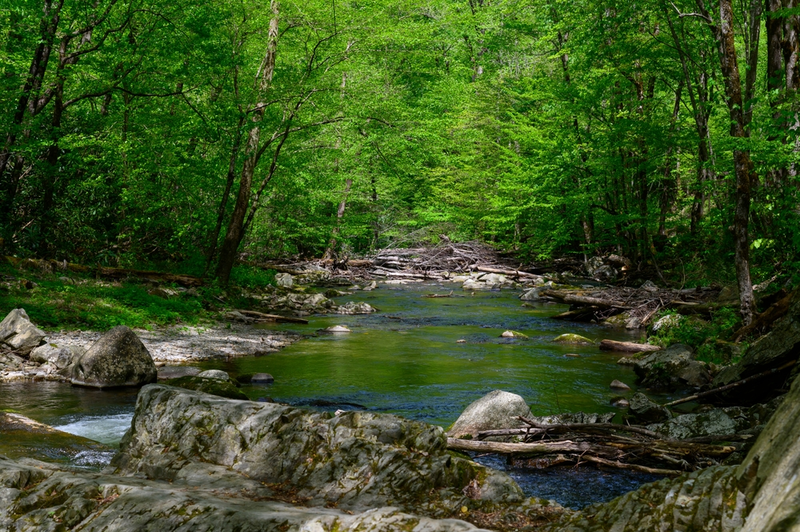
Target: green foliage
x=252 y=277
x=707 y=337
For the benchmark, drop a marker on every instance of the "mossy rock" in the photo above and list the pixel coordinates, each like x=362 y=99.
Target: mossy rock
x=574 y=339
x=212 y=386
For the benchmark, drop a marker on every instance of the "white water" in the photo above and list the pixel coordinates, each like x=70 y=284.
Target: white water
x=107 y=429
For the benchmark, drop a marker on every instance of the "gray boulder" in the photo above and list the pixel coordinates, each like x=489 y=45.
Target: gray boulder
x=718 y=422
x=216 y=374
x=60 y=357
x=18 y=334
x=672 y=368
x=353 y=461
x=643 y=410
x=351 y=307
x=117 y=359
x=495 y=410
x=532 y=294
x=284 y=280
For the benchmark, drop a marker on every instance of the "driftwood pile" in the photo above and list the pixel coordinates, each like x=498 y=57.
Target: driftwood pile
x=639 y=304
x=604 y=444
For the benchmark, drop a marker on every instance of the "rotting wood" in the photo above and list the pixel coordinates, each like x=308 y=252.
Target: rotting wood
x=517 y=448
x=632 y=467
x=627 y=347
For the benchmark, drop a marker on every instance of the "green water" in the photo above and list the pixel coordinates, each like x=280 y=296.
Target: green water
x=405 y=359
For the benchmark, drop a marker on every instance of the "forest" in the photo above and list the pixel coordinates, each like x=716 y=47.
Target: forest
x=193 y=135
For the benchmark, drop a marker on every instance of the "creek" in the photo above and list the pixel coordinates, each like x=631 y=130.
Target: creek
x=404 y=359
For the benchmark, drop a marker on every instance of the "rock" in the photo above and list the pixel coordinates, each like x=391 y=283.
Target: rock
x=575 y=339
x=760 y=495
x=163 y=293
x=176 y=372
x=337 y=329
x=351 y=307
x=222 y=388
x=493 y=280
x=461 y=341
x=496 y=410
x=624 y=319
x=284 y=280
x=645 y=411
x=772 y=350
x=38 y=497
x=671 y=368
x=58 y=356
x=619 y=385
x=118 y=358
x=354 y=461
x=371 y=286
x=532 y=294
x=18 y=334
x=620 y=402
x=514 y=334
x=649 y=286
x=597 y=268
x=262 y=378
x=473 y=284
x=572 y=355
x=11 y=362
x=665 y=323
x=574 y=417
x=335 y=293
x=214 y=374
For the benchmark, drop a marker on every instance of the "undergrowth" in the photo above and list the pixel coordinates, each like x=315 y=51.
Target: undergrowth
x=72 y=301
x=709 y=338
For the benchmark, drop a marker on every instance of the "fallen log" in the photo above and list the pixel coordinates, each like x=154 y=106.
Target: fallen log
x=509 y=273
x=520 y=448
x=122 y=273
x=575 y=299
x=632 y=467
x=765 y=320
x=271 y=317
x=439 y=295
x=627 y=347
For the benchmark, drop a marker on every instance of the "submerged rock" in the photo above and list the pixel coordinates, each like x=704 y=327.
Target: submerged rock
x=575 y=339
x=495 y=410
x=217 y=374
x=221 y=388
x=353 y=461
x=351 y=307
x=117 y=359
x=18 y=334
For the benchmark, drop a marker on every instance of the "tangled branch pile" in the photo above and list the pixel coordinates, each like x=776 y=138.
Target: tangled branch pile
x=618 y=446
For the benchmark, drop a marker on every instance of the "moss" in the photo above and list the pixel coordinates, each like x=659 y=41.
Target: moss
x=211 y=386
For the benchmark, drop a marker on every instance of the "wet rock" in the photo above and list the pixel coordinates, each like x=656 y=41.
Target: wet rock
x=644 y=411
x=495 y=410
x=351 y=307
x=11 y=362
x=353 y=461
x=461 y=341
x=619 y=385
x=59 y=357
x=284 y=280
x=18 y=334
x=337 y=329
x=262 y=378
x=221 y=388
x=214 y=374
x=672 y=368
x=514 y=334
x=620 y=402
x=335 y=293
x=532 y=294
x=624 y=319
x=574 y=339
x=118 y=358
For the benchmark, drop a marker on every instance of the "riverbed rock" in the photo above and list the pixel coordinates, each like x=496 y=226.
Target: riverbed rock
x=643 y=410
x=573 y=339
x=37 y=497
x=117 y=359
x=176 y=372
x=353 y=461
x=532 y=294
x=574 y=417
x=284 y=280
x=514 y=334
x=672 y=368
x=619 y=385
x=495 y=410
x=352 y=307
x=18 y=334
x=58 y=356
x=336 y=329
x=217 y=374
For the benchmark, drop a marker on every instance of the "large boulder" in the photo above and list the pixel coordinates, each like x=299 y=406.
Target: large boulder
x=117 y=359
x=672 y=368
x=36 y=497
x=773 y=350
x=644 y=410
x=58 y=356
x=495 y=410
x=353 y=461
x=762 y=494
x=18 y=334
